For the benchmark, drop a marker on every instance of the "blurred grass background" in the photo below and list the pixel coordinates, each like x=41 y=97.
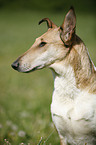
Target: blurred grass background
x=25 y=98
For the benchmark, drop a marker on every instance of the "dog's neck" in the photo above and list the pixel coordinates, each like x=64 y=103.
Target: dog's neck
x=72 y=73
x=64 y=83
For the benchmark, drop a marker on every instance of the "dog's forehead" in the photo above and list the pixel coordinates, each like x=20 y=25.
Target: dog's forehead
x=50 y=35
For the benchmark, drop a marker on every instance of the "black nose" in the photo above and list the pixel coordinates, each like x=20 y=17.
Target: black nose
x=15 y=65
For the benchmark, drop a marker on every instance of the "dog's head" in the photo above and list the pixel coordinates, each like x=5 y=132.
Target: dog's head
x=52 y=46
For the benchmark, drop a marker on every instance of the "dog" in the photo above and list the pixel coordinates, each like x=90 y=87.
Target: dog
x=73 y=105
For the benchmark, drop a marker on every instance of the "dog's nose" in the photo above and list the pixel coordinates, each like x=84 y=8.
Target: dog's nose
x=15 y=65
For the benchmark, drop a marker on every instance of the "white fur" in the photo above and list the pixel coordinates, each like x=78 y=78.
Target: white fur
x=73 y=110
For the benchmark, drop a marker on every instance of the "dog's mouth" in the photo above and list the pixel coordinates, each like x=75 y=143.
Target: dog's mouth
x=32 y=69
x=25 y=69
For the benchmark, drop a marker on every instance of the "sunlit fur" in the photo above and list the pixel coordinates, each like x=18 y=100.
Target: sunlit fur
x=73 y=105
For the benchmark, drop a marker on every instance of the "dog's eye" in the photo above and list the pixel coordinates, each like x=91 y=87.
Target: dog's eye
x=42 y=44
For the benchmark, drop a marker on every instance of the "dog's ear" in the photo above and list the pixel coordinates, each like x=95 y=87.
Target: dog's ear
x=50 y=24
x=68 y=27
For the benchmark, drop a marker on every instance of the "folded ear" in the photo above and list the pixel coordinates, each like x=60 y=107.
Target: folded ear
x=49 y=23
x=68 y=27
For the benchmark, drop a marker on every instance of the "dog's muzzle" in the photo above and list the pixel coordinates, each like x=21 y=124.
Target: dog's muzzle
x=15 y=65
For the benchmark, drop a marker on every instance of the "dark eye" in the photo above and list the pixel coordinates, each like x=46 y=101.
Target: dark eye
x=42 y=44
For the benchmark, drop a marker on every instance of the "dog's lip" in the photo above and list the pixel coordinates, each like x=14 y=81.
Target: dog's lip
x=32 y=69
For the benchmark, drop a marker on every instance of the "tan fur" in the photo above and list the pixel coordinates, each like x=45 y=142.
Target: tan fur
x=62 y=143
x=74 y=80
x=85 y=73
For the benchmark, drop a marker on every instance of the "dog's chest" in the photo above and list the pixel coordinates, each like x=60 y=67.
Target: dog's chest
x=65 y=92
x=72 y=110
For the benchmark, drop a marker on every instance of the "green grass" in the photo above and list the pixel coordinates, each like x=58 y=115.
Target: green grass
x=25 y=98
